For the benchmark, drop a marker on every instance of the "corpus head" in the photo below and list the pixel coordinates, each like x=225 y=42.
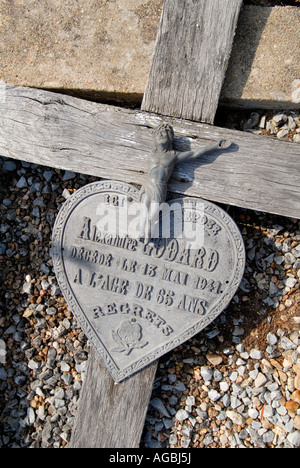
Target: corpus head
x=164 y=136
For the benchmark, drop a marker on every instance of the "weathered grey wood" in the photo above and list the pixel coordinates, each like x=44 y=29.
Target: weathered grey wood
x=191 y=55
x=64 y=132
x=110 y=415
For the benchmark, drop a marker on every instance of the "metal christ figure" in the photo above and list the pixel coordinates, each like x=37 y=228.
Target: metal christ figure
x=162 y=162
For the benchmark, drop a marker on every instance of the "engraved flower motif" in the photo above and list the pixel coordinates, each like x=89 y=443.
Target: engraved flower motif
x=128 y=337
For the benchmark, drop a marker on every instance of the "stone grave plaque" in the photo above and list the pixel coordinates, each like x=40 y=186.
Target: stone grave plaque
x=135 y=299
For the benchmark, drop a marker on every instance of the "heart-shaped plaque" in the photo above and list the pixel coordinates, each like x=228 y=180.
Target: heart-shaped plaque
x=135 y=299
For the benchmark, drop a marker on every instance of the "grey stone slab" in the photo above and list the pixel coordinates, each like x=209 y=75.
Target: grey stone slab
x=136 y=300
x=263 y=69
x=103 y=50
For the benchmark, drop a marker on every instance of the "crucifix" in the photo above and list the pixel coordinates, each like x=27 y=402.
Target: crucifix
x=161 y=164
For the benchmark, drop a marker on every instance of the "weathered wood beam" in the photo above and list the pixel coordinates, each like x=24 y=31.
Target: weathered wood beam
x=191 y=55
x=55 y=130
x=110 y=415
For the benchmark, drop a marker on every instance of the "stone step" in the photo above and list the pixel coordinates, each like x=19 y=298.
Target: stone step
x=103 y=50
x=263 y=70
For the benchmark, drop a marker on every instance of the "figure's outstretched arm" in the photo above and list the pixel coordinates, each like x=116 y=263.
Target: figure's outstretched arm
x=188 y=155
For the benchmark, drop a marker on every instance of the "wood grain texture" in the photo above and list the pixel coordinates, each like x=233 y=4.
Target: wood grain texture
x=51 y=129
x=191 y=55
x=110 y=415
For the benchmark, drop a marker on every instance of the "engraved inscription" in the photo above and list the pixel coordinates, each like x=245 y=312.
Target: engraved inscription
x=174 y=276
x=149 y=270
x=137 y=300
x=176 y=264
x=114 y=200
x=210 y=285
x=90 y=232
x=93 y=256
x=192 y=304
x=109 y=283
x=101 y=281
x=135 y=310
x=128 y=265
x=210 y=225
x=143 y=291
x=202 y=258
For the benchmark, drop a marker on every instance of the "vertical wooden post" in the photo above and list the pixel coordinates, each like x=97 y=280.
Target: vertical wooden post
x=191 y=56
x=193 y=47
x=111 y=415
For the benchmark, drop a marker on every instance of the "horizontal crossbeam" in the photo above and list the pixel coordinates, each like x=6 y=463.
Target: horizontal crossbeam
x=64 y=132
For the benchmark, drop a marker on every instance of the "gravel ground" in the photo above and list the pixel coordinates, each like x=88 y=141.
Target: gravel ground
x=235 y=384
x=272 y=3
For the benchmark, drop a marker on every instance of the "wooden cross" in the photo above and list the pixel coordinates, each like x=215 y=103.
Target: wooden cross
x=190 y=60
